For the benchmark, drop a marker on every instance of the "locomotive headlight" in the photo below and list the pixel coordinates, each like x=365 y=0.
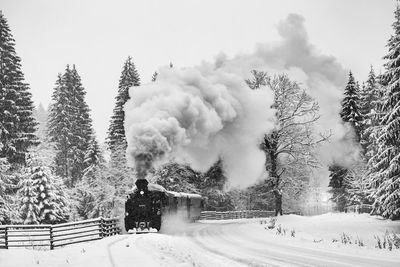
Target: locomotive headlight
x=141 y=192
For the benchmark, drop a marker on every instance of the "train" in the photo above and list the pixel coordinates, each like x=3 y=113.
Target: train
x=148 y=204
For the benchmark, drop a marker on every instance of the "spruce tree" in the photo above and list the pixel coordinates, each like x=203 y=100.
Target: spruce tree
x=40 y=115
x=17 y=124
x=51 y=201
x=93 y=156
x=70 y=126
x=386 y=177
x=29 y=209
x=339 y=186
x=340 y=182
x=60 y=125
x=116 y=132
x=82 y=127
x=374 y=129
x=350 y=106
x=94 y=195
x=368 y=95
x=5 y=185
x=369 y=98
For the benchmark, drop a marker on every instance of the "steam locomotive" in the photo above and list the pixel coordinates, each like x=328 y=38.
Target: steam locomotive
x=149 y=203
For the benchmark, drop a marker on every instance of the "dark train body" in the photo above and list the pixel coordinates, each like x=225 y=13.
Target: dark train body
x=148 y=204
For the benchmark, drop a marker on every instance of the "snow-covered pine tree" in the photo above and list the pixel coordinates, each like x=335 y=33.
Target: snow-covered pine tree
x=40 y=114
x=59 y=127
x=386 y=176
x=50 y=200
x=351 y=106
x=5 y=184
x=339 y=186
x=374 y=129
x=70 y=126
x=82 y=126
x=368 y=93
x=350 y=113
x=214 y=177
x=17 y=124
x=357 y=184
x=177 y=177
x=95 y=195
x=368 y=108
x=93 y=156
x=29 y=209
x=46 y=194
x=116 y=131
x=212 y=188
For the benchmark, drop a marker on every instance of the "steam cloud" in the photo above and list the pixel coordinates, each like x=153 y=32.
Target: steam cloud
x=195 y=115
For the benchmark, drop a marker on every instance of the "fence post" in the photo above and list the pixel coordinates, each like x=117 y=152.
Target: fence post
x=51 y=237
x=101 y=227
x=6 y=237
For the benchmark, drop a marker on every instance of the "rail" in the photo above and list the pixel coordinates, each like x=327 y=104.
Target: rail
x=57 y=235
x=362 y=208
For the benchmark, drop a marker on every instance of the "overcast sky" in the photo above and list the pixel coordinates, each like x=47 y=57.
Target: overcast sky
x=97 y=36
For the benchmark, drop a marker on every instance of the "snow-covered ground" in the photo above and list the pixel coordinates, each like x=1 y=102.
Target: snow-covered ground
x=229 y=243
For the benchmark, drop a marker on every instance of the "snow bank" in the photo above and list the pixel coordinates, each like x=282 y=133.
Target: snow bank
x=227 y=243
x=331 y=226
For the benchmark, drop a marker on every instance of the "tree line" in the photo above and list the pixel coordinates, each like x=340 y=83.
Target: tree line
x=61 y=172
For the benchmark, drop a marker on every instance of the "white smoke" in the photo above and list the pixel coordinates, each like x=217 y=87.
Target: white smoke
x=195 y=115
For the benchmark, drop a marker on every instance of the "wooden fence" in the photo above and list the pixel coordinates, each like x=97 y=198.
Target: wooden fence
x=228 y=215
x=363 y=208
x=56 y=235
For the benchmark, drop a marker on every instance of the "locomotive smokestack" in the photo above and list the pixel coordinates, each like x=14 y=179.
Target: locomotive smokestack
x=141 y=184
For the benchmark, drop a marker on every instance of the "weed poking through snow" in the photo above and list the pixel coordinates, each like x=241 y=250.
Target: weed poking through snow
x=389 y=241
x=279 y=230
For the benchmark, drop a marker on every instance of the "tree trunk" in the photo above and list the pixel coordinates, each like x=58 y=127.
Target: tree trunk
x=271 y=144
x=278 y=202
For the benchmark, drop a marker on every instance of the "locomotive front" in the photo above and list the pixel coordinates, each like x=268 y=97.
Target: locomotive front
x=143 y=208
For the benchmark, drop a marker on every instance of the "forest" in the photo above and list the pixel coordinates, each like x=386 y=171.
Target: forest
x=54 y=169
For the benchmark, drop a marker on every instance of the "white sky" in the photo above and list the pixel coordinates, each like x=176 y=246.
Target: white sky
x=97 y=36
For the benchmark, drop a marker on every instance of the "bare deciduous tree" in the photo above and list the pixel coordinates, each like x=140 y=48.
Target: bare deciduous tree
x=291 y=145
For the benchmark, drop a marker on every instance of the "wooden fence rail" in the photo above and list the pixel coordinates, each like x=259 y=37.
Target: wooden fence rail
x=57 y=235
x=228 y=215
x=362 y=208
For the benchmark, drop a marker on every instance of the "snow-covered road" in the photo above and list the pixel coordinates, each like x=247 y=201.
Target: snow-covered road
x=218 y=243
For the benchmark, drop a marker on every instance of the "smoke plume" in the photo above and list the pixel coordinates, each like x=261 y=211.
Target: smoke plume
x=196 y=115
x=321 y=75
